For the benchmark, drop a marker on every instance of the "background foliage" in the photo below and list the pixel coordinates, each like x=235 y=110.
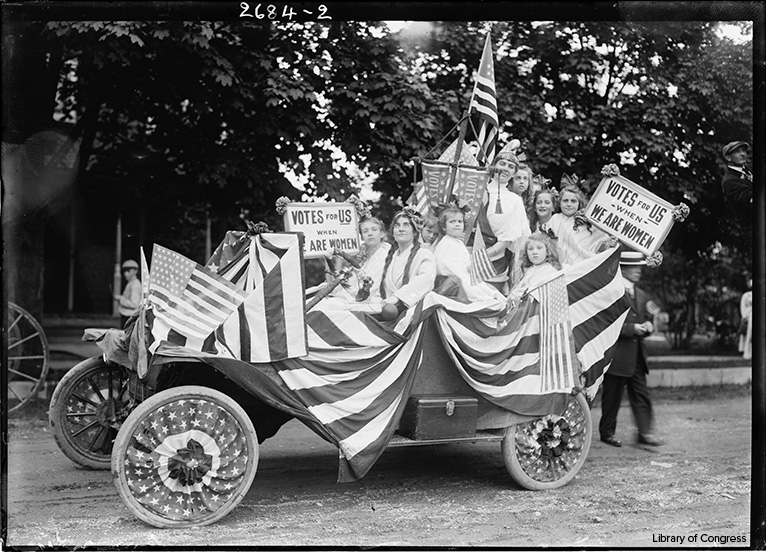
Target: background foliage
x=177 y=120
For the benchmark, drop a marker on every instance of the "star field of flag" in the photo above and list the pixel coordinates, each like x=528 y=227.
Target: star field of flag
x=187 y=458
x=187 y=299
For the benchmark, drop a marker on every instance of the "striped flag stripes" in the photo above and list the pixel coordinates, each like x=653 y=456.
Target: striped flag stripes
x=270 y=324
x=484 y=105
x=557 y=359
x=419 y=198
x=188 y=301
x=481 y=268
x=352 y=384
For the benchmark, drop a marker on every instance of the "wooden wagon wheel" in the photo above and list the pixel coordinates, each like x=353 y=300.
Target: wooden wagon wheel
x=185 y=457
x=547 y=453
x=28 y=357
x=88 y=406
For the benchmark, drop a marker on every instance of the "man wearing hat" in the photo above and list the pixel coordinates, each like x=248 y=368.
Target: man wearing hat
x=629 y=366
x=737 y=184
x=131 y=295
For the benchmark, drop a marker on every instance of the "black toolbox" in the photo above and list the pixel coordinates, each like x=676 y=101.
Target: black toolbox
x=438 y=417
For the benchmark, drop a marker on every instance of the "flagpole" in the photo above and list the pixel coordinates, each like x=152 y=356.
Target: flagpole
x=458 y=151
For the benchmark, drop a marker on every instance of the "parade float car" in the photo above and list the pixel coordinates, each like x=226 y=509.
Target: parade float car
x=220 y=356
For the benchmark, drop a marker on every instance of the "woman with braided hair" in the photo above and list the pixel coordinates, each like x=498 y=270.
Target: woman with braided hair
x=409 y=269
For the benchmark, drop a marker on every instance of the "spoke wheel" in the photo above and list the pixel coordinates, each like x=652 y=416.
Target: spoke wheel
x=28 y=356
x=547 y=453
x=87 y=408
x=185 y=457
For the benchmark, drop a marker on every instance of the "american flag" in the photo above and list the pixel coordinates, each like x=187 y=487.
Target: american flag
x=230 y=258
x=419 y=198
x=186 y=459
x=352 y=385
x=188 y=301
x=504 y=364
x=481 y=266
x=557 y=354
x=484 y=105
x=270 y=324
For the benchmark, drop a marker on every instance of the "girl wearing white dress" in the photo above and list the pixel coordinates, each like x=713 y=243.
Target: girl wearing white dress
x=577 y=239
x=453 y=261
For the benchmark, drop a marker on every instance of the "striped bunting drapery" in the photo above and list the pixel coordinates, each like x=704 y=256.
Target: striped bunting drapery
x=351 y=386
x=598 y=306
x=503 y=362
x=270 y=324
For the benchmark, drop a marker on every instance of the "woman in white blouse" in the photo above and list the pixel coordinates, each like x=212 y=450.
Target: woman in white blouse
x=502 y=218
x=409 y=269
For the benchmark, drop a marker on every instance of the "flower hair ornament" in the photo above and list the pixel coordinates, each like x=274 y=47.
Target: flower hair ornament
x=415 y=218
x=362 y=211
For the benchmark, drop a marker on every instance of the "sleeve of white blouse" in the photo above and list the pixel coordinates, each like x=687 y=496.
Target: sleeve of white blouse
x=423 y=273
x=509 y=226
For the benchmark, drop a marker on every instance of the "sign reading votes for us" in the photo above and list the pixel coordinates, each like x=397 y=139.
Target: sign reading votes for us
x=325 y=226
x=632 y=214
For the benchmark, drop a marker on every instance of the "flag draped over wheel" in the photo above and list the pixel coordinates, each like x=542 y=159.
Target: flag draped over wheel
x=484 y=105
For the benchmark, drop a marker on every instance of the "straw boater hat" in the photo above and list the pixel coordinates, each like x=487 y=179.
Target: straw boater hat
x=130 y=263
x=632 y=258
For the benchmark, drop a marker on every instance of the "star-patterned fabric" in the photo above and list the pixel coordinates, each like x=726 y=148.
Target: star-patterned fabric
x=187 y=458
x=188 y=301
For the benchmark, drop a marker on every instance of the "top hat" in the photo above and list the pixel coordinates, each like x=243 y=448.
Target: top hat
x=130 y=263
x=731 y=146
x=632 y=258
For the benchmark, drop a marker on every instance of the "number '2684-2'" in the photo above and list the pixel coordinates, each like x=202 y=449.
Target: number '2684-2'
x=270 y=11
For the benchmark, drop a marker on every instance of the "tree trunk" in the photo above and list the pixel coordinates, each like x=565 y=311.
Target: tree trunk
x=23 y=262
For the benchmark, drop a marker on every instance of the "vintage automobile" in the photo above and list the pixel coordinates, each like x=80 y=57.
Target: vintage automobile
x=181 y=431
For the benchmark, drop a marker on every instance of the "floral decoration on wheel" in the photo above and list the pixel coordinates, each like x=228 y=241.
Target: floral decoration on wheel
x=185 y=459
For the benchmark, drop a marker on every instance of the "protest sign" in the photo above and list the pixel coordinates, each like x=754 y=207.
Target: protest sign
x=325 y=226
x=632 y=214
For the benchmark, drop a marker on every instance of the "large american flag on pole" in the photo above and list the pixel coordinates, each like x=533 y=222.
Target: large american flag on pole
x=188 y=301
x=484 y=105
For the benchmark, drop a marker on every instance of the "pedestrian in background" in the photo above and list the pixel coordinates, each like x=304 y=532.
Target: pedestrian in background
x=629 y=367
x=737 y=186
x=130 y=298
x=746 y=326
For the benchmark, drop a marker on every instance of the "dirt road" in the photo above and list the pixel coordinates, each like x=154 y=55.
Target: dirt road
x=696 y=486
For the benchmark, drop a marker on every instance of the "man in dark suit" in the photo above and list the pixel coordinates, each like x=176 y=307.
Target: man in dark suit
x=737 y=185
x=629 y=366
